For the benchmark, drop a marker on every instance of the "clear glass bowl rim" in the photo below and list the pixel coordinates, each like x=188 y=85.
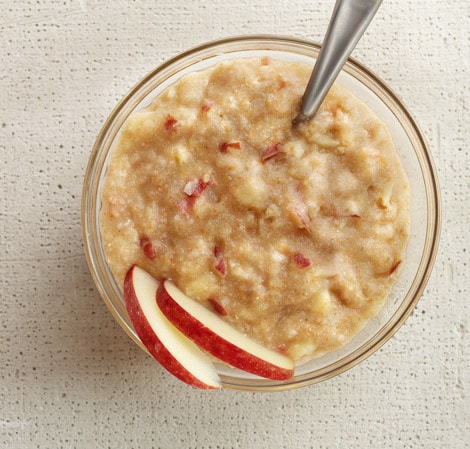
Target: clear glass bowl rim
x=293 y=44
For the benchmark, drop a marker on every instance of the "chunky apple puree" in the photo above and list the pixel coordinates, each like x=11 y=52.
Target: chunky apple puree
x=294 y=235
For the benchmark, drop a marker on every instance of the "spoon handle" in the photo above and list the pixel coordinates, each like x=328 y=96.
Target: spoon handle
x=348 y=22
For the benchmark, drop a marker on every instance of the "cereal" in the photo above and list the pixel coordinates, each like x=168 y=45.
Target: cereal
x=295 y=235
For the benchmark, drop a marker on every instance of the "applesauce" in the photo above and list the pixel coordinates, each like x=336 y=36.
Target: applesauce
x=295 y=235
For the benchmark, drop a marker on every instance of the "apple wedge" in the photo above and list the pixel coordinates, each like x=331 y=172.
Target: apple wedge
x=175 y=352
x=211 y=333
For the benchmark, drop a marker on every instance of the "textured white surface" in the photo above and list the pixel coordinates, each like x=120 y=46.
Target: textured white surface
x=70 y=377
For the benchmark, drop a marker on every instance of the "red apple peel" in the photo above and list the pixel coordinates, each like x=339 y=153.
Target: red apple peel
x=214 y=335
x=175 y=352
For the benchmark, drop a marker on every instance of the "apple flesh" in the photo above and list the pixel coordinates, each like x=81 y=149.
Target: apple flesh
x=175 y=352
x=214 y=335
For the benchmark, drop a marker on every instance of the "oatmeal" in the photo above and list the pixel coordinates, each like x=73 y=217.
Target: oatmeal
x=295 y=235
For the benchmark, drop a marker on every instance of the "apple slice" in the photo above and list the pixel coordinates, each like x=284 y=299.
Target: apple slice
x=219 y=338
x=175 y=352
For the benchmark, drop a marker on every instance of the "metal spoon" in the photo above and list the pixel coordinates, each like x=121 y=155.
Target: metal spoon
x=348 y=22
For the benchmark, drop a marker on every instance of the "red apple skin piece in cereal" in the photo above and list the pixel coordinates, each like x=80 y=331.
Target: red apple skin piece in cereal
x=226 y=146
x=171 y=123
x=195 y=187
x=220 y=265
x=301 y=261
x=147 y=247
x=271 y=152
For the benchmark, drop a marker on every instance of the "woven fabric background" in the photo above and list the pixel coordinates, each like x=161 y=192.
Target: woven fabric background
x=70 y=377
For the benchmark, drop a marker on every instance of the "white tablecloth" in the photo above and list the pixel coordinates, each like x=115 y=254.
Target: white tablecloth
x=70 y=377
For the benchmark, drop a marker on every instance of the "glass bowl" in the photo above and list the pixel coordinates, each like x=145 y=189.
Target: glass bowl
x=410 y=144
